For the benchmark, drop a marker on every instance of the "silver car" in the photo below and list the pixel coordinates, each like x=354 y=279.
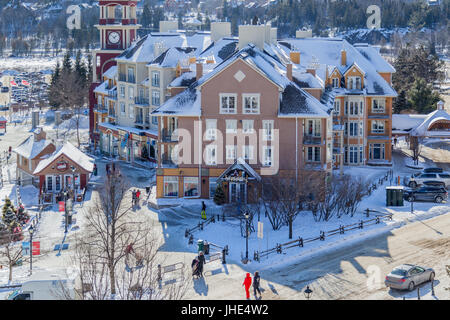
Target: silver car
x=408 y=276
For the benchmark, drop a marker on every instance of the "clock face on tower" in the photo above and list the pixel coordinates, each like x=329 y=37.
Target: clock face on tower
x=113 y=37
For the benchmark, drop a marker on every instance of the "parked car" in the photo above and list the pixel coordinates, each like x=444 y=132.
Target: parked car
x=426 y=193
x=433 y=170
x=418 y=179
x=408 y=276
x=433 y=183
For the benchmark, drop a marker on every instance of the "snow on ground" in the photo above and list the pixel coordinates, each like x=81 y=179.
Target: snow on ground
x=29 y=64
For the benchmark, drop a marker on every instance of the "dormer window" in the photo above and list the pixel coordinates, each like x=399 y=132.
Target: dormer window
x=335 y=82
x=354 y=83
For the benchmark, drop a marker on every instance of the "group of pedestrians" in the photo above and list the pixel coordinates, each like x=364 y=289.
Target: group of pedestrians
x=136 y=194
x=197 y=265
x=248 y=283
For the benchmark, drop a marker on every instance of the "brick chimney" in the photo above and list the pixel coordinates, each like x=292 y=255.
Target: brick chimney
x=199 y=70
x=312 y=71
x=295 y=57
x=343 y=57
x=289 y=71
x=39 y=134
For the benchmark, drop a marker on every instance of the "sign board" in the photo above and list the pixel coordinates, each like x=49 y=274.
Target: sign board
x=260 y=230
x=61 y=206
x=62 y=166
x=36 y=250
x=25 y=248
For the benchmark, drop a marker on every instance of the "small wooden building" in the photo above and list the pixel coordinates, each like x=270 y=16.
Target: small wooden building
x=67 y=169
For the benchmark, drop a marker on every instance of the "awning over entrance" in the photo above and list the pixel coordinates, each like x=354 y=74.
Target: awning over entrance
x=240 y=171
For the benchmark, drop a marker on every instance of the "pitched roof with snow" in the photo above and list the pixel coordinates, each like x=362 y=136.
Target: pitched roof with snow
x=171 y=57
x=71 y=152
x=111 y=72
x=30 y=148
x=327 y=52
x=429 y=120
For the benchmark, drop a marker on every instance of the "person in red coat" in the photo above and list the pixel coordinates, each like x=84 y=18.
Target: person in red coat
x=247 y=283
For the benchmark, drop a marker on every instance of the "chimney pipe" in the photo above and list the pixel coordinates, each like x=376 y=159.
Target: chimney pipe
x=343 y=57
x=311 y=71
x=295 y=57
x=289 y=71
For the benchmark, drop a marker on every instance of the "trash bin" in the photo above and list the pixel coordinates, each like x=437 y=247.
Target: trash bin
x=147 y=190
x=200 y=245
x=69 y=218
x=394 y=196
x=206 y=247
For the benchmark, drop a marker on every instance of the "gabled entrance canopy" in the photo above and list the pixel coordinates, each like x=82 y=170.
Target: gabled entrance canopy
x=240 y=171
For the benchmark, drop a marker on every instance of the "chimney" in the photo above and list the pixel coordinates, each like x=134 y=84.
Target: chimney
x=220 y=30
x=289 y=71
x=343 y=57
x=440 y=105
x=295 y=57
x=311 y=71
x=199 y=70
x=39 y=134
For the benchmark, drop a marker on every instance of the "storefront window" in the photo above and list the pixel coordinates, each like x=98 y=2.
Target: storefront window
x=58 y=183
x=49 y=183
x=171 y=186
x=212 y=187
x=190 y=186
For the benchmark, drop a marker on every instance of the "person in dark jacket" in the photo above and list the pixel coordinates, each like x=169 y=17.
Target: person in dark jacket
x=203 y=212
x=201 y=262
x=256 y=279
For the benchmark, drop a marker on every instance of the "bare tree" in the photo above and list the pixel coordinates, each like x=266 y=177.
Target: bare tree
x=11 y=250
x=416 y=148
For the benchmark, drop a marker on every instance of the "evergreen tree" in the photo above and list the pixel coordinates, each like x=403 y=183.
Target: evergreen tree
x=422 y=97
x=146 y=18
x=219 y=195
x=401 y=103
x=67 y=64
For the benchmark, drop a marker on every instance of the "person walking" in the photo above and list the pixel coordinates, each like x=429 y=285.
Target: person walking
x=138 y=193
x=133 y=201
x=203 y=210
x=256 y=279
x=247 y=283
x=201 y=261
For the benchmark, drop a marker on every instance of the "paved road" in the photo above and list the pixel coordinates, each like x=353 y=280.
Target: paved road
x=355 y=272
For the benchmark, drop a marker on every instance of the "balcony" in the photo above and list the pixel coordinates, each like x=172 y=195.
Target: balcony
x=123 y=78
x=143 y=101
x=112 y=94
x=168 y=162
x=100 y=108
x=312 y=140
x=112 y=113
x=168 y=136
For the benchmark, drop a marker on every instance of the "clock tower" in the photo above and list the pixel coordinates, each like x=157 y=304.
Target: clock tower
x=118 y=29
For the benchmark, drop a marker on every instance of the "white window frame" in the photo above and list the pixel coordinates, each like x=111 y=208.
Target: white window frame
x=335 y=82
x=231 y=126
x=247 y=152
x=253 y=98
x=268 y=127
x=226 y=109
x=122 y=91
x=313 y=157
x=131 y=111
x=211 y=154
x=211 y=129
x=315 y=125
x=382 y=151
x=353 y=130
x=156 y=98
x=248 y=126
x=376 y=126
x=378 y=105
x=267 y=155
x=131 y=93
x=171 y=180
x=337 y=107
x=190 y=180
x=122 y=108
x=156 y=79
x=231 y=152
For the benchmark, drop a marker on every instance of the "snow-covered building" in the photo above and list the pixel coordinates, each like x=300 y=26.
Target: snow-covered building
x=30 y=153
x=65 y=168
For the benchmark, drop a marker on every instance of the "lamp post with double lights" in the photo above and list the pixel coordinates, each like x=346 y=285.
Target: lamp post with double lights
x=30 y=231
x=308 y=293
x=247 y=216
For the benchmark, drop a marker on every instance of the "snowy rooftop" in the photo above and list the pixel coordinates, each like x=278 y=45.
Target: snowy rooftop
x=30 y=148
x=71 y=152
x=171 y=57
x=185 y=80
x=429 y=120
x=111 y=72
x=407 y=122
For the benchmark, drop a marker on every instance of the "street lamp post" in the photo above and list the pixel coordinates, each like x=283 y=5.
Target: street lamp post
x=30 y=230
x=308 y=293
x=73 y=178
x=246 y=235
x=65 y=211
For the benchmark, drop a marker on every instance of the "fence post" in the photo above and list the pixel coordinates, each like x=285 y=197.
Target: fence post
x=223 y=256
x=213 y=220
x=159 y=273
x=361 y=224
x=279 y=250
x=255 y=256
x=322 y=236
x=377 y=220
x=367 y=212
x=191 y=239
x=300 y=241
x=186 y=233
x=341 y=229
x=418 y=293
x=223 y=217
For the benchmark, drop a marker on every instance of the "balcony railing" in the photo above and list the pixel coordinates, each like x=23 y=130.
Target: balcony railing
x=312 y=140
x=123 y=77
x=112 y=94
x=112 y=113
x=100 y=108
x=168 y=136
x=142 y=101
x=139 y=120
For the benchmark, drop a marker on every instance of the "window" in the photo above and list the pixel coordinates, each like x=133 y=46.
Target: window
x=122 y=91
x=170 y=186
x=251 y=103
x=353 y=129
x=268 y=130
x=361 y=133
x=154 y=120
x=155 y=97
x=190 y=186
x=267 y=156
x=228 y=103
x=231 y=152
x=211 y=155
x=49 y=183
x=376 y=151
x=57 y=183
x=247 y=152
x=361 y=158
x=337 y=107
x=313 y=127
x=313 y=154
x=354 y=108
x=354 y=83
x=99 y=100
x=247 y=126
x=346 y=128
x=211 y=128
x=122 y=108
x=155 y=79
x=329 y=152
x=231 y=126
x=131 y=75
x=131 y=111
x=378 y=105
x=212 y=187
x=335 y=82
x=131 y=93
x=377 y=126
x=353 y=154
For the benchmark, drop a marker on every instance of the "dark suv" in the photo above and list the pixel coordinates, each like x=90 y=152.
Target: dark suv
x=426 y=193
